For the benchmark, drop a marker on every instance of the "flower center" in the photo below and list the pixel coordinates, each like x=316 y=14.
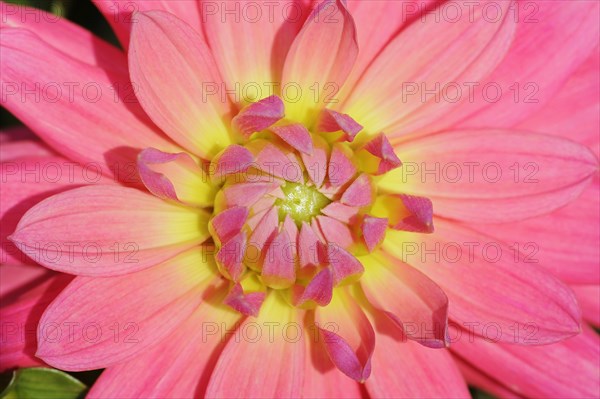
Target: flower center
x=295 y=206
x=301 y=202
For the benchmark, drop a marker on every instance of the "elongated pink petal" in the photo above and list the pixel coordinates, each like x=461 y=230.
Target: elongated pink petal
x=186 y=102
x=263 y=233
x=333 y=121
x=494 y=176
x=360 y=192
x=13 y=150
x=563 y=242
x=15 y=277
x=406 y=212
x=341 y=169
x=77 y=108
x=278 y=266
x=28 y=180
x=378 y=21
x=588 y=297
x=250 y=42
x=175 y=177
x=339 y=211
x=373 y=231
x=296 y=135
x=273 y=357
x=488 y=286
x=259 y=115
x=401 y=89
x=478 y=379
x=21 y=310
x=246 y=194
x=381 y=148
x=343 y=264
x=571 y=112
x=230 y=256
x=312 y=63
x=246 y=303
x=233 y=159
x=107 y=230
x=322 y=379
x=531 y=69
x=412 y=300
x=316 y=164
x=347 y=335
x=319 y=289
x=64 y=35
x=191 y=351
x=228 y=223
x=307 y=246
x=564 y=369
x=142 y=308
x=334 y=231
x=427 y=373
x=121 y=13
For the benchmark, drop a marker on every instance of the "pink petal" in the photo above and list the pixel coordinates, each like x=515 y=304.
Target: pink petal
x=272 y=160
x=407 y=212
x=334 y=231
x=401 y=90
x=230 y=257
x=343 y=264
x=381 y=148
x=312 y=63
x=185 y=102
x=233 y=159
x=278 y=266
x=107 y=135
x=21 y=310
x=121 y=14
x=296 y=135
x=246 y=303
x=564 y=242
x=487 y=286
x=532 y=68
x=250 y=42
x=175 y=177
x=128 y=313
x=319 y=289
x=107 y=230
x=373 y=231
x=322 y=379
x=378 y=21
x=494 y=175
x=316 y=164
x=28 y=180
x=571 y=112
x=427 y=373
x=347 y=336
x=263 y=233
x=360 y=192
x=307 y=246
x=273 y=357
x=588 y=297
x=246 y=194
x=566 y=369
x=339 y=211
x=413 y=301
x=341 y=169
x=332 y=121
x=65 y=35
x=190 y=351
x=228 y=223
x=259 y=115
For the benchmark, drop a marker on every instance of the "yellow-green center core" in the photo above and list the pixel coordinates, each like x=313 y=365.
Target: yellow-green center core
x=301 y=202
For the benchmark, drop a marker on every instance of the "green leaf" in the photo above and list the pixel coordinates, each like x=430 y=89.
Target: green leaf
x=40 y=382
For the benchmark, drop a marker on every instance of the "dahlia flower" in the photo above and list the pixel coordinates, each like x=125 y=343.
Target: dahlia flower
x=305 y=199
